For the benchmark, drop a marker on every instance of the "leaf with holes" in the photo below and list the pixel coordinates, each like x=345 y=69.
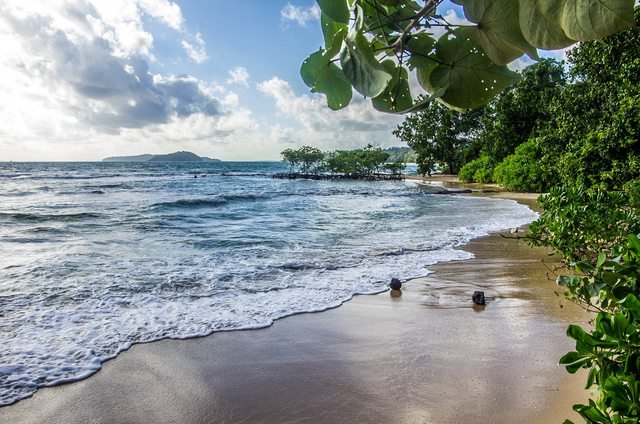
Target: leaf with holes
x=396 y=98
x=470 y=77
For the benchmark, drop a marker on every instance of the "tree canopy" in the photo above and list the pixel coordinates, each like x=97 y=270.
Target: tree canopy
x=440 y=135
x=356 y=162
x=372 y=45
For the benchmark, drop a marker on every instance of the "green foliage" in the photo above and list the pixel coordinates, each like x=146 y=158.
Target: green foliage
x=517 y=114
x=440 y=135
x=611 y=349
x=558 y=24
x=593 y=133
x=522 y=171
x=306 y=159
x=377 y=43
x=480 y=170
x=356 y=162
x=579 y=222
x=364 y=162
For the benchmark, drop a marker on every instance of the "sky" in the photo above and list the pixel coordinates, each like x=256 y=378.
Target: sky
x=86 y=79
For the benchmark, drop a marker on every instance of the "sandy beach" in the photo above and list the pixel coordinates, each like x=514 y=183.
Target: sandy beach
x=426 y=356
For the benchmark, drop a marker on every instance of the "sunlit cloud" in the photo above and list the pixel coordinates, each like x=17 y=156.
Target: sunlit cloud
x=300 y=15
x=195 y=49
x=239 y=76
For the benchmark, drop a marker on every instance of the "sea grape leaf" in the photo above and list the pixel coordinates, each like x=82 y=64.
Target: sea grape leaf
x=497 y=30
x=593 y=19
x=555 y=24
x=420 y=46
x=319 y=60
x=471 y=79
x=361 y=67
x=312 y=66
x=331 y=30
x=396 y=97
x=338 y=10
x=335 y=86
x=323 y=76
x=540 y=23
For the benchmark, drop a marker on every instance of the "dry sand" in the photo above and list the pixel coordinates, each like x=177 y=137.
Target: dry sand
x=425 y=357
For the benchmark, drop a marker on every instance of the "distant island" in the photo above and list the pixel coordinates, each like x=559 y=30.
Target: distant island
x=170 y=157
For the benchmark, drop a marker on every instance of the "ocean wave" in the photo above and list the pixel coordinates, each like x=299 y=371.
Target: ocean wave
x=208 y=202
x=16 y=193
x=39 y=217
x=13 y=175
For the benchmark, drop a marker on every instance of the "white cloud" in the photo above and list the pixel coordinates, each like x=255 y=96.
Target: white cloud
x=354 y=126
x=196 y=50
x=165 y=11
x=451 y=17
x=300 y=15
x=86 y=63
x=520 y=63
x=239 y=76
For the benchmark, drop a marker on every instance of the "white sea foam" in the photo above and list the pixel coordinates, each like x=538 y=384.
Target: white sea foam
x=142 y=272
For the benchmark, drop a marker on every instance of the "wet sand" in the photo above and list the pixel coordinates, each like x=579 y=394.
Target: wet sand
x=425 y=357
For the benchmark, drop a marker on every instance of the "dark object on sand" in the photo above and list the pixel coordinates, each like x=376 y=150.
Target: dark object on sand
x=478 y=298
x=395 y=284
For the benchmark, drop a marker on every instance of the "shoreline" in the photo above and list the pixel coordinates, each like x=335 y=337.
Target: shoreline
x=125 y=378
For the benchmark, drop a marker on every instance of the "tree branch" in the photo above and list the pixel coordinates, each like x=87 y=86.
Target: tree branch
x=429 y=6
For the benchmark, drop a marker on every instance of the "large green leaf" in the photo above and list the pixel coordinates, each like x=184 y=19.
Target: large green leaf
x=471 y=79
x=333 y=84
x=555 y=24
x=540 y=23
x=361 y=67
x=331 y=30
x=320 y=60
x=420 y=46
x=396 y=98
x=498 y=30
x=338 y=10
x=593 y=19
x=312 y=66
x=323 y=76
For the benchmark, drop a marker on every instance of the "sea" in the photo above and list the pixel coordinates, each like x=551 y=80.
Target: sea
x=96 y=257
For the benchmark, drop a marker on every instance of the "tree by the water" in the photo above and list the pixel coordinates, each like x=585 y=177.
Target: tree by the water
x=440 y=136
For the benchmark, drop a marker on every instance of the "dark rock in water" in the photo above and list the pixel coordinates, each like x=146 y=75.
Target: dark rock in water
x=395 y=284
x=478 y=298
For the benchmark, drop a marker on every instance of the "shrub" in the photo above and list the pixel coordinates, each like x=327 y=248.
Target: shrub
x=609 y=350
x=479 y=170
x=524 y=170
x=578 y=222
